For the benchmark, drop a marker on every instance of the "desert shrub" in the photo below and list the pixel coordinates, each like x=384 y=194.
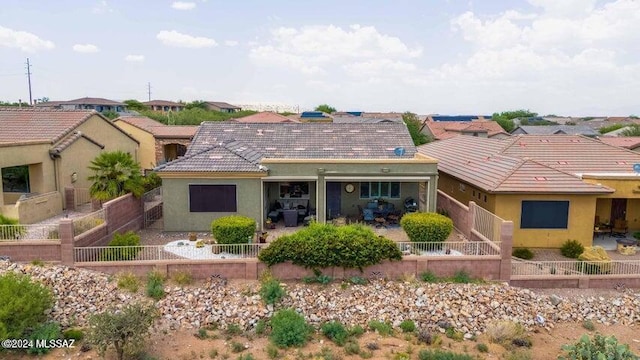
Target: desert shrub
x=47 y=331
x=151 y=181
x=335 y=331
x=261 y=327
x=356 y=331
x=357 y=280
x=233 y=329
x=125 y=329
x=429 y=277
x=571 y=249
x=75 y=334
x=352 y=348
x=426 y=227
x=589 y=325
x=503 y=332
x=11 y=232
x=272 y=351
x=23 y=306
x=461 y=277
x=155 y=285
x=288 y=328
x=122 y=247
x=324 y=245
x=248 y=356
x=236 y=347
x=454 y=334
x=183 y=278
x=84 y=225
x=523 y=253
x=233 y=229
x=482 y=347
x=408 y=326
x=425 y=336
x=519 y=355
x=129 y=282
x=598 y=347
x=442 y=355
x=382 y=328
x=271 y=291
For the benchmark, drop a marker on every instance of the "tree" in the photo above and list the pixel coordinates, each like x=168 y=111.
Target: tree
x=505 y=118
x=135 y=105
x=413 y=125
x=197 y=104
x=115 y=174
x=124 y=329
x=632 y=130
x=325 y=108
x=110 y=114
x=23 y=306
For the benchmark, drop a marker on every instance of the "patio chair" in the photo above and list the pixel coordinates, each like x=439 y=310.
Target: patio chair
x=620 y=227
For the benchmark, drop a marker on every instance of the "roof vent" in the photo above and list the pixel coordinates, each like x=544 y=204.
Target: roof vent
x=399 y=151
x=260 y=132
x=540 y=178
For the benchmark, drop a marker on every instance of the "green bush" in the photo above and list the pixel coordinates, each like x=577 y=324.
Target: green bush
x=12 y=232
x=382 y=328
x=128 y=281
x=324 y=245
x=461 y=277
x=23 y=306
x=408 y=326
x=429 y=277
x=234 y=229
x=155 y=285
x=523 y=253
x=75 y=334
x=571 y=249
x=151 y=181
x=356 y=331
x=122 y=247
x=352 y=348
x=335 y=331
x=600 y=347
x=482 y=347
x=442 y=355
x=637 y=235
x=288 y=328
x=261 y=327
x=271 y=292
x=426 y=227
x=48 y=331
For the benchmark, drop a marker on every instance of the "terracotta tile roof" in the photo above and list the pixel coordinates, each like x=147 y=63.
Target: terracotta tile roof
x=92 y=101
x=19 y=126
x=505 y=166
x=627 y=142
x=365 y=119
x=265 y=117
x=158 y=129
x=162 y=103
x=555 y=129
x=222 y=105
x=447 y=129
x=75 y=136
x=255 y=141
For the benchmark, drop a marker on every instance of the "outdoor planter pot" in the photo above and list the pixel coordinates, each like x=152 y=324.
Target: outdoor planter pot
x=193 y=236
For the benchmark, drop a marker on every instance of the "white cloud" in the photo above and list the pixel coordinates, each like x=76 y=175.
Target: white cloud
x=231 y=43
x=134 y=58
x=176 y=39
x=23 y=40
x=85 y=48
x=312 y=48
x=101 y=7
x=182 y=5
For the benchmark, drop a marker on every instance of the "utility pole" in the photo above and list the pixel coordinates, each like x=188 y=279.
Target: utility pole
x=29 y=79
x=149 y=90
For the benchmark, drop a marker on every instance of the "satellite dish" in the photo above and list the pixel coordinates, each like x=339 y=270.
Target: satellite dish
x=636 y=168
x=399 y=151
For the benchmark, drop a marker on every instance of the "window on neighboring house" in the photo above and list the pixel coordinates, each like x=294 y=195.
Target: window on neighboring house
x=15 y=179
x=212 y=198
x=544 y=214
x=376 y=189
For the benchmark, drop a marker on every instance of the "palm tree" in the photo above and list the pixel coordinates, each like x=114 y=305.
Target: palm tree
x=115 y=174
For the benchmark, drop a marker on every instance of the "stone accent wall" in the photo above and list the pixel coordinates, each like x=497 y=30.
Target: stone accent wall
x=160 y=143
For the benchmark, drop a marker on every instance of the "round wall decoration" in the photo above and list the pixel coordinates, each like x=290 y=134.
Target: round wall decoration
x=349 y=188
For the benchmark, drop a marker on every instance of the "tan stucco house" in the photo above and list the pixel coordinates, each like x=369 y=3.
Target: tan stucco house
x=159 y=143
x=298 y=170
x=44 y=151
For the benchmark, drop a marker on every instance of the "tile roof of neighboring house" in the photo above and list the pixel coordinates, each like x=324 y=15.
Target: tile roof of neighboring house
x=530 y=163
x=231 y=142
x=92 y=101
x=365 y=119
x=222 y=105
x=627 y=142
x=50 y=104
x=162 y=103
x=265 y=117
x=19 y=126
x=556 y=129
x=159 y=129
x=77 y=135
x=447 y=129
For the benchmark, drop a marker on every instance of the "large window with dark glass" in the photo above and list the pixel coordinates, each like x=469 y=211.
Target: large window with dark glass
x=212 y=198
x=377 y=189
x=544 y=214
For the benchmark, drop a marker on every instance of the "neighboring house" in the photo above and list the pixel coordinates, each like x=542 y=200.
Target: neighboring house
x=457 y=118
x=555 y=130
x=364 y=119
x=85 y=103
x=440 y=130
x=44 y=151
x=625 y=142
x=159 y=143
x=265 y=117
x=164 y=105
x=551 y=187
x=325 y=169
x=222 y=106
x=312 y=116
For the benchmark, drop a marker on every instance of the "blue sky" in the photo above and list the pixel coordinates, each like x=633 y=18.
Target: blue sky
x=569 y=57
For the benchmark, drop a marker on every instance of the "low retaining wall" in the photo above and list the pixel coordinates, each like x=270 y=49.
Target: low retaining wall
x=579 y=282
x=98 y=236
x=31 y=250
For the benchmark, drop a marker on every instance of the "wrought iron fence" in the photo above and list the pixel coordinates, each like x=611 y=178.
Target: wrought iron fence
x=556 y=268
x=459 y=248
x=88 y=222
x=29 y=232
x=81 y=196
x=188 y=250
x=487 y=224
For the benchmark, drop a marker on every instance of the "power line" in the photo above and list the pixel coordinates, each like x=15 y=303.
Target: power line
x=29 y=80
